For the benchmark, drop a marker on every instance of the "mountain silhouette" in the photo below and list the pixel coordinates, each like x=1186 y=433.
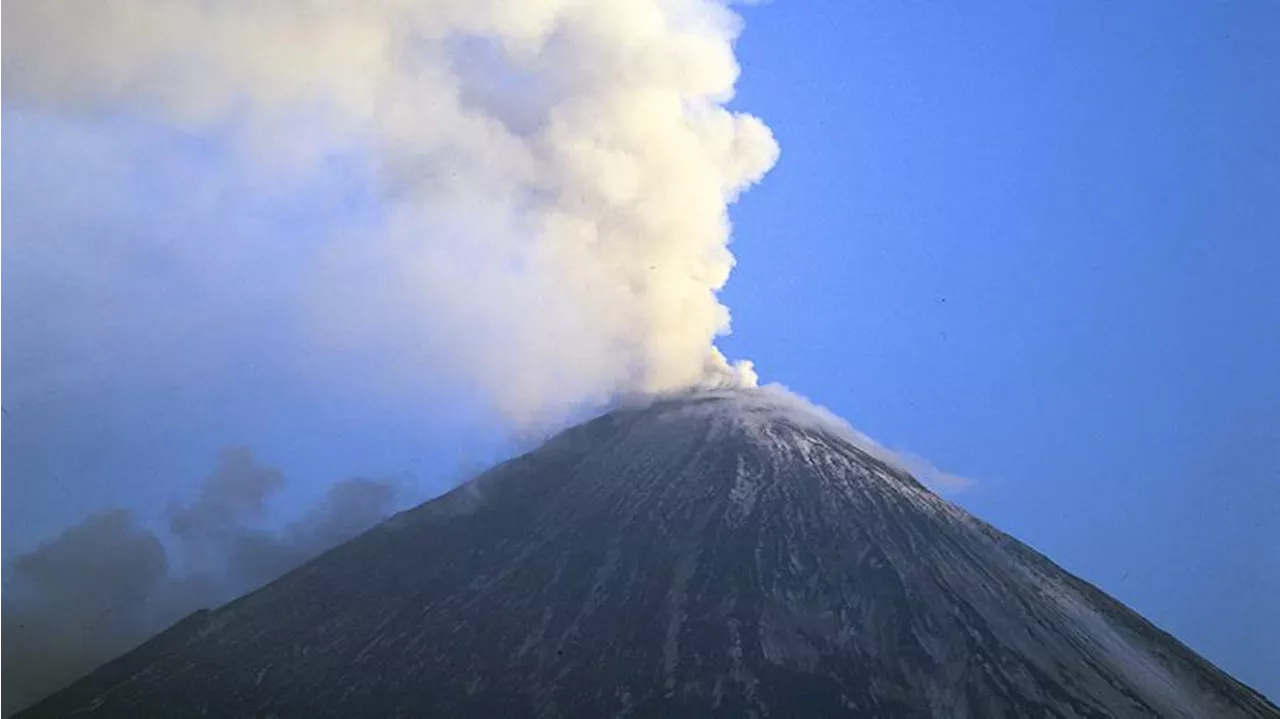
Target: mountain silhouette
x=731 y=553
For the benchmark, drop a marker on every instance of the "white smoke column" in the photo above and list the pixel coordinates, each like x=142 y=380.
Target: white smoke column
x=554 y=175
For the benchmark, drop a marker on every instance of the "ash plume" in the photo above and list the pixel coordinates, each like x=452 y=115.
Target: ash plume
x=520 y=201
x=108 y=583
x=552 y=178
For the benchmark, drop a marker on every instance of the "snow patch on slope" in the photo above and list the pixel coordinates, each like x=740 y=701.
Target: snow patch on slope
x=757 y=409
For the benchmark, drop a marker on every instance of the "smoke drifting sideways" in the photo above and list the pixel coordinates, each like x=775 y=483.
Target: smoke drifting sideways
x=107 y=584
x=552 y=176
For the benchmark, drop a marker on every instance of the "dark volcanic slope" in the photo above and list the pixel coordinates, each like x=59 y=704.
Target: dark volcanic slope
x=732 y=555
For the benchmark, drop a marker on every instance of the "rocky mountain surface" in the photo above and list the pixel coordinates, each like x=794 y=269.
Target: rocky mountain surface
x=723 y=554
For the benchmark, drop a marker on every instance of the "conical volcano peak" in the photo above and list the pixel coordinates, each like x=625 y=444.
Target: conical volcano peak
x=769 y=422
x=770 y=403
x=719 y=553
x=768 y=414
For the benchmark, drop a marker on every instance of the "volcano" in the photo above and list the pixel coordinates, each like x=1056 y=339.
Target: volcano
x=734 y=553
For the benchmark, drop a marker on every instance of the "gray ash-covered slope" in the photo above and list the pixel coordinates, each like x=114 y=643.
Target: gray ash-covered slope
x=730 y=554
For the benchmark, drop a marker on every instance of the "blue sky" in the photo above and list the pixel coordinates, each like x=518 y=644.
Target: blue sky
x=1039 y=244
x=1036 y=243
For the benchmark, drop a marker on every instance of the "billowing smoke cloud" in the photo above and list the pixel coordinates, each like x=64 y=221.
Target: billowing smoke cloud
x=107 y=584
x=552 y=176
x=524 y=199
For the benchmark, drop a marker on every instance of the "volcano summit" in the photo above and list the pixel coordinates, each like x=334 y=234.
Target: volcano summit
x=733 y=553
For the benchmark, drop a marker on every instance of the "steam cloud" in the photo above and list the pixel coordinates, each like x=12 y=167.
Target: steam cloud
x=546 y=187
x=553 y=175
x=106 y=584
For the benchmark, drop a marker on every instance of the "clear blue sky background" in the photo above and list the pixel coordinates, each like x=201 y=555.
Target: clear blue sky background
x=1039 y=244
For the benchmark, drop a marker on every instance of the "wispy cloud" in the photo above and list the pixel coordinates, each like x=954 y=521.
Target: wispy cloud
x=930 y=476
